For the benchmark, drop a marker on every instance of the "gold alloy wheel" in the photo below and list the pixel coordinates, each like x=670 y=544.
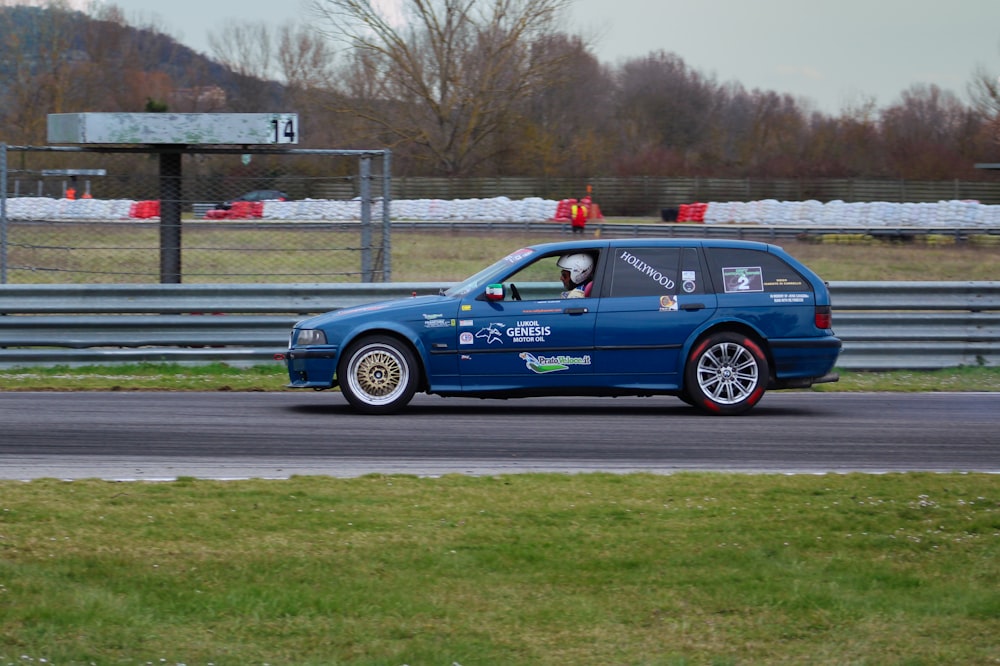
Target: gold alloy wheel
x=378 y=374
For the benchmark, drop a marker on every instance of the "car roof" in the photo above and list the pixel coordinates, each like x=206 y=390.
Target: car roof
x=653 y=242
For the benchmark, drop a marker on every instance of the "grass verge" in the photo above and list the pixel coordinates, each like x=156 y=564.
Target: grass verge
x=273 y=377
x=525 y=569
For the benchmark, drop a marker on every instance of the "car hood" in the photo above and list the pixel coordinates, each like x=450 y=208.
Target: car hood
x=395 y=310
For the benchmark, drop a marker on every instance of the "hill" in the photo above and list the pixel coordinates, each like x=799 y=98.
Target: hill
x=68 y=57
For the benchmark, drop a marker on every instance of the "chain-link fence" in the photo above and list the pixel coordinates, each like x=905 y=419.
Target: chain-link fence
x=193 y=214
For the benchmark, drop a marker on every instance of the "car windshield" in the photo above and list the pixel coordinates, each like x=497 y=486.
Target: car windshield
x=488 y=274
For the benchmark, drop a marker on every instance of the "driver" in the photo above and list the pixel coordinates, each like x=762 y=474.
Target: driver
x=577 y=269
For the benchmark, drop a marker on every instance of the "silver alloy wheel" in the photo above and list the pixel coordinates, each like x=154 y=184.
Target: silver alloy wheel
x=378 y=374
x=728 y=373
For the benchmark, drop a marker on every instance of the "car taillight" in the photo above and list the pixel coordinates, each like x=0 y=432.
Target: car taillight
x=822 y=317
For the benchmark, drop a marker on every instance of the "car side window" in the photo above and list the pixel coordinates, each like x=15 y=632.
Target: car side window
x=694 y=277
x=737 y=271
x=540 y=280
x=645 y=271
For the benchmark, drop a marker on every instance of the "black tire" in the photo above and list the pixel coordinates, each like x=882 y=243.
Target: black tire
x=378 y=375
x=726 y=373
x=686 y=398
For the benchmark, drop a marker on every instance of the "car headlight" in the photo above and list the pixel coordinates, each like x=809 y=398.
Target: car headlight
x=310 y=336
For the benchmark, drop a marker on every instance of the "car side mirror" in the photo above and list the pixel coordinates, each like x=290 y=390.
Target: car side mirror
x=494 y=292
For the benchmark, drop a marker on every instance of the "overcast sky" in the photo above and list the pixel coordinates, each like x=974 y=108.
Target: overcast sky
x=833 y=54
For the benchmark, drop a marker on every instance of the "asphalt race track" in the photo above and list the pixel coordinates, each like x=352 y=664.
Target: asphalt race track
x=157 y=435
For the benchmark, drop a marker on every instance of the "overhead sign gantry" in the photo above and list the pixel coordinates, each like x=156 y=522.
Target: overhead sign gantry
x=170 y=135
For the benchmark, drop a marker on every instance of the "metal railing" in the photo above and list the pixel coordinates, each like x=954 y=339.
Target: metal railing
x=884 y=325
x=646 y=195
x=765 y=233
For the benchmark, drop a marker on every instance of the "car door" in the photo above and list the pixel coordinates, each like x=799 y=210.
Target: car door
x=654 y=299
x=539 y=342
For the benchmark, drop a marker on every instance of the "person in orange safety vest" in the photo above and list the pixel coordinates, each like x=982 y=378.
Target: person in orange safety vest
x=578 y=215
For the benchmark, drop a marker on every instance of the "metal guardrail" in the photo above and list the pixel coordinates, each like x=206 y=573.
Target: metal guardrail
x=761 y=232
x=917 y=325
x=884 y=325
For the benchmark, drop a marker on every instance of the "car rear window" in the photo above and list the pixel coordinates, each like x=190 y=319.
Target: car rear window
x=742 y=271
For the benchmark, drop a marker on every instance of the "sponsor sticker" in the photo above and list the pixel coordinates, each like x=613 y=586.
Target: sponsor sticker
x=518 y=255
x=790 y=297
x=743 y=279
x=783 y=283
x=492 y=333
x=528 y=330
x=648 y=270
x=541 y=365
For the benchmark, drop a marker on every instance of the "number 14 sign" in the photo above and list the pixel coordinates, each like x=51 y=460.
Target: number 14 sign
x=284 y=128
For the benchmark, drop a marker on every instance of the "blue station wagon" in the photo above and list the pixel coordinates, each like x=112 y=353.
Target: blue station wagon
x=713 y=322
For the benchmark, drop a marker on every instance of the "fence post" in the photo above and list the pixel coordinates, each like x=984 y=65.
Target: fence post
x=3 y=213
x=386 y=217
x=170 y=217
x=365 y=180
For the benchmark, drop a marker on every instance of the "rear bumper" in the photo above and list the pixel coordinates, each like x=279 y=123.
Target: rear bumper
x=803 y=382
x=804 y=361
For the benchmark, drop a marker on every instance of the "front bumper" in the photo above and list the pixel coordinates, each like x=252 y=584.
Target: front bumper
x=314 y=368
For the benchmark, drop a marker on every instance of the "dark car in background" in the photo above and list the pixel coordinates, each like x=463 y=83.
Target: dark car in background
x=255 y=195
x=714 y=322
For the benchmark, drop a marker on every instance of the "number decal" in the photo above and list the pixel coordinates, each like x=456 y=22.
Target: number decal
x=283 y=129
x=743 y=278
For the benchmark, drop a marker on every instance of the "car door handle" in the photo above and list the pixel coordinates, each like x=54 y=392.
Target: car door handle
x=693 y=306
x=576 y=311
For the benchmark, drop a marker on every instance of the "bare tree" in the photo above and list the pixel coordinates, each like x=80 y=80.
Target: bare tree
x=665 y=113
x=247 y=50
x=305 y=65
x=849 y=145
x=305 y=60
x=929 y=133
x=563 y=129
x=985 y=93
x=442 y=75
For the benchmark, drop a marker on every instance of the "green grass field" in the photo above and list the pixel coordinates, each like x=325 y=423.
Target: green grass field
x=526 y=569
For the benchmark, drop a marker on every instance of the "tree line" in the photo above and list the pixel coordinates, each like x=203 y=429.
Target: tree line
x=480 y=88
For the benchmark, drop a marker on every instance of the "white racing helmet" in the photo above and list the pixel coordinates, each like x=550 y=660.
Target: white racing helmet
x=580 y=266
